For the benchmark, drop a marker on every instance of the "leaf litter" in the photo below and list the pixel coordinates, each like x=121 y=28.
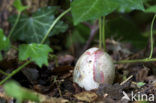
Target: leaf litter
x=55 y=81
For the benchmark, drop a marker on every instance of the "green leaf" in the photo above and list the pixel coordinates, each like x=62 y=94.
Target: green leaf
x=140 y=84
x=151 y=9
x=83 y=10
x=13 y=89
x=33 y=29
x=18 y=5
x=4 y=41
x=129 y=5
x=36 y=52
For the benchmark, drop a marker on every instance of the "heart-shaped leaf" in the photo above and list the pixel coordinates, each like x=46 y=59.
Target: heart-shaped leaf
x=36 y=52
x=18 y=5
x=33 y=29
x=83 y=10
x=151 y=9
x=129 y=5
x=4 y=41
x=13 y=89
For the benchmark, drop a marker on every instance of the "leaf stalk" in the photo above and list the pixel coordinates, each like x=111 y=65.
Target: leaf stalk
x=15 y=24
x=151 y=37
x=14 y=72
x=53 y=24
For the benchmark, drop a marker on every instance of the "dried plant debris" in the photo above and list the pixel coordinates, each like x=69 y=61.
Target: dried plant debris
x=86 y=96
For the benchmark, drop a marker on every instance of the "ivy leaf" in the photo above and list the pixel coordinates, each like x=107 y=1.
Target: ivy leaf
x=4 y=41
x=129 y=5
x=36 y=52
x=33 y=29
x=11 y=89
x=83 y=10
x=151 y=9
x=18 y=5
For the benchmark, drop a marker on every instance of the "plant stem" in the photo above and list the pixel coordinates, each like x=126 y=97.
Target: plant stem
x=53 y=24
x=103 y=33
x=14 y=72
x=14 y=26
x=45 y=37
x=2 y=72
x=135 y=61
x=100 y=34
x=151 y=37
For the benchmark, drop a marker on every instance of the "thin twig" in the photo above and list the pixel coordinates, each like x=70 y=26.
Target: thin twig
x=126 y=80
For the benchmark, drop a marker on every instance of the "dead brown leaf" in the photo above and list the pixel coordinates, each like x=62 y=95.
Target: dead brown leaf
x=86 y=96
x=46 y=99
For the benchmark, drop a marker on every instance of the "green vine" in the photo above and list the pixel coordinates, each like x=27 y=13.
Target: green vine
x=14 y=26
x=135 y=61
x=102 y=38
x=14 y=72
x=53 y=24
x=151 y=37
x=149 y=59
x=43 y=40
